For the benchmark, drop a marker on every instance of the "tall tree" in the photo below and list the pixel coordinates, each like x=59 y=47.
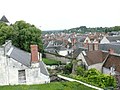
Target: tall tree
x=6 y=32
x=22 y=35
x=25 y=35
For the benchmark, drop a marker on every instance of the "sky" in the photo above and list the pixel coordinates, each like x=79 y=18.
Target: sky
x=62 y=14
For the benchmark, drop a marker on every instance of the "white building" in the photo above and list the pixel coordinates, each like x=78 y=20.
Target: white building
x=20 y=67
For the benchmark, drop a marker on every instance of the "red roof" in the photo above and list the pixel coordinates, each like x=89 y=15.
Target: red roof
x=94 y=57
x=113 y=60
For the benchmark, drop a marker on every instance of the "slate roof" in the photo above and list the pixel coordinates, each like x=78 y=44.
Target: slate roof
x=21 y=56
x=25 y=58
x=114 y=46
x=78 y=51
x=43 y=69
x=113 y=60
x=113 y=38
x=79 y=44
x=94 y=57
x=58 y=42
x=4 y=19
x=59 y=48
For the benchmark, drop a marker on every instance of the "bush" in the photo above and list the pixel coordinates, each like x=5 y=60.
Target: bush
x=68 y=68
x=80 y=71
x=94 y=77
x=92 y=72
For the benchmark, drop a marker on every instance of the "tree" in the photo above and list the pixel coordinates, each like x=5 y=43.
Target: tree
x=25 y=35
x=6 y=32
x=22 y=35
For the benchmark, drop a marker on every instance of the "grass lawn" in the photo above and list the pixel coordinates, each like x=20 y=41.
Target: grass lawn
x=50 y=86
x=51 y=62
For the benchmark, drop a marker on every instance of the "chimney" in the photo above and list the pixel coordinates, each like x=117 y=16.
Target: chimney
x=111 y=51
x=90 y=47
x=96 y=46
x=7 y=46
x=34 y=54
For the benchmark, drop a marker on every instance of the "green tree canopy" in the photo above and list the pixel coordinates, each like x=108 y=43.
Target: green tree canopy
x=6 y=32
x=22 y=35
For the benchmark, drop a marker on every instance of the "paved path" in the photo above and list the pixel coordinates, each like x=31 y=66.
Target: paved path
x=70 y=79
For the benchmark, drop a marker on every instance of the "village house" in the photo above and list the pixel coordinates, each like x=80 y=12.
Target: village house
x=106 y=62
x=20 y=67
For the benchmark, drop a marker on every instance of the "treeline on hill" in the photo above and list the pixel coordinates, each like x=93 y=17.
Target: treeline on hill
x=22 y=35
x=84 y=29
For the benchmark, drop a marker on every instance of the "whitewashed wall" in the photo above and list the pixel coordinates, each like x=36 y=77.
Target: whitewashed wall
x=9 y=73
x=63 y=53
x=106 y=70
x=104 y=40
x=97 y=66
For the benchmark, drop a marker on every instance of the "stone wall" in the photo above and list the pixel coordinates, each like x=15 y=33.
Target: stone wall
x=63 y=59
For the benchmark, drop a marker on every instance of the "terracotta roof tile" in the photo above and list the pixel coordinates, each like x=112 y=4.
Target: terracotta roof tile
x=113 y=60
x=94 y=57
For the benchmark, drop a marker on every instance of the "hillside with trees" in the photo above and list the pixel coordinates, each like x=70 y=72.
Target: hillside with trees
x=84 y=29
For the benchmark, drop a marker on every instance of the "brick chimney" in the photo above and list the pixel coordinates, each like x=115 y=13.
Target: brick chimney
x=90 y=47
x=34 y=54
x=96 y=46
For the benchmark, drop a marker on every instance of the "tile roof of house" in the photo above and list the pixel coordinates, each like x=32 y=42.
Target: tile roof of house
x=113 y=60
x=113 y=38
x=59 y=42
x=21 y=56
x=78 y=51
x=25 y=59
x=43 y=69
x=79 y=44
x=60 y=48
x=114 y=46
x=94 y=57
x=4 y=19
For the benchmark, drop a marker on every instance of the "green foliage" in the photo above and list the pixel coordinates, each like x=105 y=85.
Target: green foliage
x=25 y=35
x=94 y=77
x=68 y=68
x=92 y=72
x=6 y=32
x=51 y=62
x=50 y=86
x=22 y=35
x=80 y=71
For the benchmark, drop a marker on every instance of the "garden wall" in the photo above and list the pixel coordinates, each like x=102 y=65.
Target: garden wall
x=63 y=59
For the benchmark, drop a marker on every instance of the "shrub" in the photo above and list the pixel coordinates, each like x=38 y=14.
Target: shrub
x=68 y=68
x=94 y=77
x=80 y=71
x=92 y=72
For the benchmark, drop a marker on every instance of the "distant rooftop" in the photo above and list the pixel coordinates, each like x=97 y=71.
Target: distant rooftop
x=4 y=19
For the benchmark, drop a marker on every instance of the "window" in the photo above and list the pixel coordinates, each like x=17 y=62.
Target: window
x=21 y=76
